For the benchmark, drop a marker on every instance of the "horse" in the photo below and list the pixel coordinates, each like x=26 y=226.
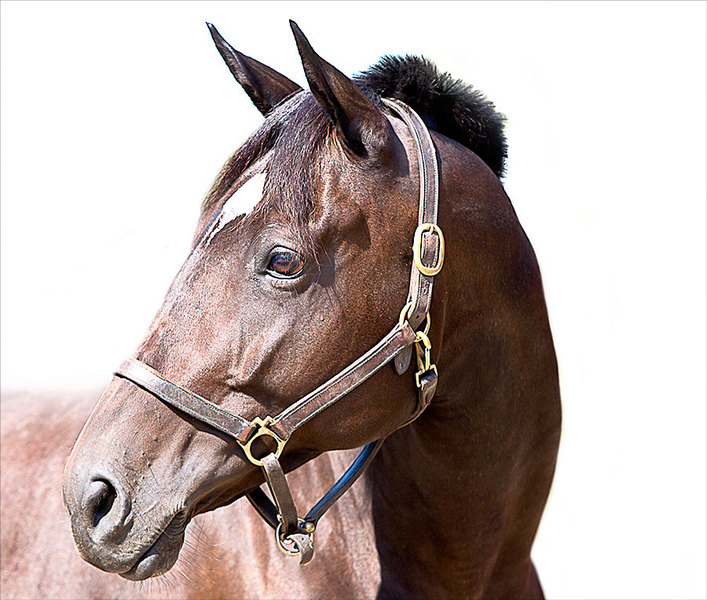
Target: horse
x=289 y=337
x=37 y=553
x=38 y=556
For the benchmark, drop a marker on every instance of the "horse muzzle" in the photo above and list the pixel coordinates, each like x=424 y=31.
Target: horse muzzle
x=103 y=527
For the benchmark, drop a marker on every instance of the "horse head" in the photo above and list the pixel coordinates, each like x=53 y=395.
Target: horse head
x=299 y=265
x=296 y=268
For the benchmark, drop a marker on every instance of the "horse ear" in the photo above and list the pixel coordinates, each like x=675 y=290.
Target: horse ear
x=265 y=86
x=359 y=122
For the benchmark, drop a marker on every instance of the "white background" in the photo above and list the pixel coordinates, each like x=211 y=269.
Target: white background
x=117 y=116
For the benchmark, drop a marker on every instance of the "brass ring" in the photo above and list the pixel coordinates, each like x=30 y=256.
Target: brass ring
x=404 y=317
x=422 y=338
x=404 y=314
x=263 y=423
x=281 y=542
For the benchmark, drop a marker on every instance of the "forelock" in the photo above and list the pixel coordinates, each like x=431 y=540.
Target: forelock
x=291 y=139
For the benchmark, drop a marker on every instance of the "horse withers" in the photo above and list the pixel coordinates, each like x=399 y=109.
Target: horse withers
x=288 y=334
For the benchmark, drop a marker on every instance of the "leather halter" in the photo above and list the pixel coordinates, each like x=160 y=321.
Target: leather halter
x=294 y=534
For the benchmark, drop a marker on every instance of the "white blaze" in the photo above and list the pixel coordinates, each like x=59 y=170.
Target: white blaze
x=241 y=202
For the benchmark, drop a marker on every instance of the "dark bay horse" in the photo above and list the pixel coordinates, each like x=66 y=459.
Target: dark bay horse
x=301 y=262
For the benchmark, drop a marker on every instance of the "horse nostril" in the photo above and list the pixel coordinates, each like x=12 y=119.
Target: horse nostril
x=99 y=500
x=106 y=510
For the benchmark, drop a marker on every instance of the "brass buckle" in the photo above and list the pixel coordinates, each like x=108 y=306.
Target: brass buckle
x=417 y=249
x=263 y=424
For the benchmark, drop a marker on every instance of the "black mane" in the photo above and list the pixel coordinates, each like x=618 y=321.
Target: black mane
x=297 y=128
x=447 y=105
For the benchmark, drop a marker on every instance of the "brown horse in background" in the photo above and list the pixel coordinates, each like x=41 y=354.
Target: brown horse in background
x=38 y=556
x=299 y=265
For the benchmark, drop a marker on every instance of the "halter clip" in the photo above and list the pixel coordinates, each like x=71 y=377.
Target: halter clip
x=423 y=352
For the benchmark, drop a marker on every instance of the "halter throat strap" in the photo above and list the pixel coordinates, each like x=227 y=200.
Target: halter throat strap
x=294 y=535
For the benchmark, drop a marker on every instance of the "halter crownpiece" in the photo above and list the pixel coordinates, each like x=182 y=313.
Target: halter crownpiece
x=293 y=534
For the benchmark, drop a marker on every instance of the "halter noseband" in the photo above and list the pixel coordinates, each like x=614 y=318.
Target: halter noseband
x=294 y=534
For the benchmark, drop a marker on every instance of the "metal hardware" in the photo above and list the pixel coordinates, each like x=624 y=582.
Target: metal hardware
x=285 y=545
x=288 y=546
x=419 y=374
x=404 y=317
x=263 y=431
x=421 y=339
x=423 y=352
x=417 y=249
x=308 y=527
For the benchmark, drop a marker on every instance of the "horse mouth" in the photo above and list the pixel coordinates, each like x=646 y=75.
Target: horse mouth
x=163 y=553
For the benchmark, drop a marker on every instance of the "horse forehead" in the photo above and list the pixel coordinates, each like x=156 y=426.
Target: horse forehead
x=241 y=203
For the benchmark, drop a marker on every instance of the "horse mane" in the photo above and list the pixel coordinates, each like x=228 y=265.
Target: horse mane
x=447 y=105
x=296 y=129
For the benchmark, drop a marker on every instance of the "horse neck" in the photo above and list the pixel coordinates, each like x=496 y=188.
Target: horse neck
x=452 y=511
x=425 y=528
x=457 y=495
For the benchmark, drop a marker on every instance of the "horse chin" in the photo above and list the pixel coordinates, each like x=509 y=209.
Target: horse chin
x=162 y=554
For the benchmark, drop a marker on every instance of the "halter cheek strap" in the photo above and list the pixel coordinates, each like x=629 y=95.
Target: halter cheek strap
x=294 y=534
x=428 y=241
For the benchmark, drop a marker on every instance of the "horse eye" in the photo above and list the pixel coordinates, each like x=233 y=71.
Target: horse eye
x=284 y=263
